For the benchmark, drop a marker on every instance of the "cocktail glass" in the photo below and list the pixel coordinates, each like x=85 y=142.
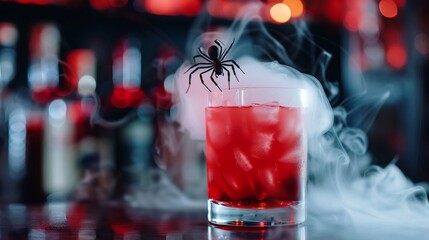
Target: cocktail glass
x=256 y=149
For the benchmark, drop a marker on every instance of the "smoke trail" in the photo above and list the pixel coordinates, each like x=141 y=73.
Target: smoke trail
x=96 y=119
x=346 y=193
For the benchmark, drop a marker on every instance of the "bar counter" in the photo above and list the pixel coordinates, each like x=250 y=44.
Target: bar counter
x=115 y=220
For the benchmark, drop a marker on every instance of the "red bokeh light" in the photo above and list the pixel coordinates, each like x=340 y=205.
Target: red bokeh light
x=400 y=3
x=127 y=96
x=330 y=10
x=99 y=4
x=118 y=3
x=43 y=95
x=351 y=20
x=335 y=10
x=78 y=112
x=162 y=98
x=172 y=7
x=224 y=8
x=79 y=63
x=396 y=56
x=38 y=2
x=190 y=7
x=388 y=8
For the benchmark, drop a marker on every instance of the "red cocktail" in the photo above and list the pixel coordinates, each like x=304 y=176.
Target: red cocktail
x=256 y=161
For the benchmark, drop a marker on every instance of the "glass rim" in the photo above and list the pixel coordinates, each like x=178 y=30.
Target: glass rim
x=296 y=96
x=258 y=87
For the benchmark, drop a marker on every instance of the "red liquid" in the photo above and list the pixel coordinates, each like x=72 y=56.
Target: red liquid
x=256 y=156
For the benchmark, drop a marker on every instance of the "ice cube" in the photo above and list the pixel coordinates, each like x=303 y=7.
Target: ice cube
x=258 y=190
x=290 y=123
x=266 y=114
x=242 y=160
x=218 y=132
x=235 y=184
x=295 y=155
x=266 y=182
x=261 y=145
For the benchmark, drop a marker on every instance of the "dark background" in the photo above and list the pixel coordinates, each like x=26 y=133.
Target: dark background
x=399 y=131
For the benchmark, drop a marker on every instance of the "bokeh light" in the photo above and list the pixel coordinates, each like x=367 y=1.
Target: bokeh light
x=8 y=34
x=421 y=43
x=351 y=20
x=400 y=3
x=172 y=7
x=99 y=4
x=127 y=96
x=280 y=12
x=388 y=8
x=118 y=3
x=86 y=85
x=396 y=56
x=296 y=7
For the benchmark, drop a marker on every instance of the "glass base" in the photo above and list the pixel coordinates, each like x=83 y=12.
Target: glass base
x=229 y=216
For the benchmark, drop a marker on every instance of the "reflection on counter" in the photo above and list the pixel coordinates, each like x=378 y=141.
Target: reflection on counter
x=80 y=221
x=235 y=233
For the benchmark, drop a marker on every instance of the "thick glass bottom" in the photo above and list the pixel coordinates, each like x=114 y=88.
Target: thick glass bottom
x=229 y=216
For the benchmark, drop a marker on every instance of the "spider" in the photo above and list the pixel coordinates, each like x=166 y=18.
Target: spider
x=214 y=62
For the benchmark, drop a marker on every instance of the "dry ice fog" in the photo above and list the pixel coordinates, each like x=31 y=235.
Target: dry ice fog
x=345 y=193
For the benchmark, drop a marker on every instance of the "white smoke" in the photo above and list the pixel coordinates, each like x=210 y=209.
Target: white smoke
x=346 y=194
x=258 y=74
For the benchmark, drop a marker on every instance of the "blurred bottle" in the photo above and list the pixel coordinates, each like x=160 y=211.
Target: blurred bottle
x=127 y=74
x=43 y=72
x=14 y=168
x=45 y=123
x=135 y=136
x=60 y=168
x=53 y=120
x=8 y=41
x=91 y=143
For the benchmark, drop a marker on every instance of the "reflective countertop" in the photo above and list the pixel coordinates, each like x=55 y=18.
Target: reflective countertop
x=85 y=221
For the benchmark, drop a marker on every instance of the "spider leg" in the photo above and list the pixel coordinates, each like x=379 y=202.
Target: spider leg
x=233 y=62
x=215 y=83
x=205 y=55
x=198 y=65
x=229 y=78
x=202 y=80
x=233 y=70
x=226 y=52
x=197 y=56
x=190 y=75
x=220 y=44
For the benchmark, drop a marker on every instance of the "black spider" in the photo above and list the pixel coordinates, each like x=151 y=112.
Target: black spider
x=215 y=63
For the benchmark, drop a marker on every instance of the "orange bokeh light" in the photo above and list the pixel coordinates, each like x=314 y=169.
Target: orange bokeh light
x=280 y=12
x=296 y=7
x=388 y=8
x=396 y=56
